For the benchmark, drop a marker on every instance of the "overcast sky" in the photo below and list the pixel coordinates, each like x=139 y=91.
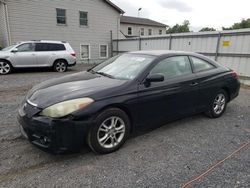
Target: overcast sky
x=200 y=13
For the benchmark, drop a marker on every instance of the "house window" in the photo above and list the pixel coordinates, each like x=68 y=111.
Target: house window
x=129 y=30
x=85 y=51
x=103 y=51
x=160 y=32
x=83 y=18
x=61 y=16
x=149 y=31
x=142 y=31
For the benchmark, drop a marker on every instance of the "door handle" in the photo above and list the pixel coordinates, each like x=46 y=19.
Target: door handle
x=194 y=84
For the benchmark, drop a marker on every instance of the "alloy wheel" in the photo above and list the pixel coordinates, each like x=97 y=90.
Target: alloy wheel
x=61 y=67
x=4 y=68
x=111 y=132
x=219 y=103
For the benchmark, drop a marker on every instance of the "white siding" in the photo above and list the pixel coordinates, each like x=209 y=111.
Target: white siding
x=3 y=28
x=32 y=20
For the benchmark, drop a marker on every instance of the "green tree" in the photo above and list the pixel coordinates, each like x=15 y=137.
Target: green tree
x=184 y=27
x=207 y=29
x=245 y=23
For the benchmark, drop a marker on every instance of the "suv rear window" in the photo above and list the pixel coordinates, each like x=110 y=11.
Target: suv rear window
x=49 y=47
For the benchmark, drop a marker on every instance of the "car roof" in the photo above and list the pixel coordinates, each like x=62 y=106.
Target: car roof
x=163 y=52
x=43 y=41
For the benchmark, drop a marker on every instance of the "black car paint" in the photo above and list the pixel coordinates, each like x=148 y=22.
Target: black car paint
x=145 y=104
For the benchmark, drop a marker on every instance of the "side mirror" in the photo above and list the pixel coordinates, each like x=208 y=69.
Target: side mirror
x=155 y=78
x=14 y=50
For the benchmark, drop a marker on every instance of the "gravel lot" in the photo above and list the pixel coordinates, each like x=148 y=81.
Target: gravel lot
x=169 y=156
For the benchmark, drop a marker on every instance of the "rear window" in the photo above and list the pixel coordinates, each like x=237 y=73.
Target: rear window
x=201 y=65
x=49 y=47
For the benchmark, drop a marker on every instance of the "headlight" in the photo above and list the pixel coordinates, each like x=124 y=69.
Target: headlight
x=64 y=108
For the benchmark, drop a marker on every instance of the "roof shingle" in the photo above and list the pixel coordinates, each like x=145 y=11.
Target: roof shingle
x=141 y=21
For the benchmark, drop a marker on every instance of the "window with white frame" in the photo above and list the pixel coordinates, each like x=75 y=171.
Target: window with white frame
x=61 y=16
x=103 y=51
x=149 y=31
x=85 y=51
x=129 y=30
x=142 y=31
x=83 y=18
x=160 y=32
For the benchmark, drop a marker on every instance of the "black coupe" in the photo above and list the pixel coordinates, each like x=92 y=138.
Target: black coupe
x=104 y=105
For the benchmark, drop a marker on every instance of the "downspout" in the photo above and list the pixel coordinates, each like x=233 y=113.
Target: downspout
x=6 y=14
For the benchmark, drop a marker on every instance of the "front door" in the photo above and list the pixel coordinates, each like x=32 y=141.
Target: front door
x=172 y=98
x=25 y=56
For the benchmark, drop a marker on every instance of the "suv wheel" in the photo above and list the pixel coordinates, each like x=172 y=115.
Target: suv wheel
x=109 y=132
x=60 y=66
x=5 y=67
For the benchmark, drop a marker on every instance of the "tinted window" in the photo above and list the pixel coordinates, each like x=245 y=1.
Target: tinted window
x=27 y=47
x=49 y=47
x=56 y=47
x=42 y=47
x=173 y=66
x=200 y=65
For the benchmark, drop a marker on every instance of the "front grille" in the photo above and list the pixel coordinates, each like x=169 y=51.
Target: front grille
x=30 y=110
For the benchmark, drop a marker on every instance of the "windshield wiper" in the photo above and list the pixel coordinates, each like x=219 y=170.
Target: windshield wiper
x=105 y=74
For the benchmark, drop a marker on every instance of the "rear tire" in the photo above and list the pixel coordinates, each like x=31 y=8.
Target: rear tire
x=218 y=104
x=60 y=66
x=110 y=131
x=5 y=67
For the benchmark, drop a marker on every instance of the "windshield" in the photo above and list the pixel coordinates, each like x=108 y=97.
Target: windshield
x=126 y=66
x=8 y=48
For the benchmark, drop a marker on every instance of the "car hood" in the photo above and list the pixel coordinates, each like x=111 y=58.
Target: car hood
x=4 y=54
x=83 y=84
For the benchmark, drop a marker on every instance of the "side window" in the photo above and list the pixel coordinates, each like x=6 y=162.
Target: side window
x=173 y=66
x=200 y=65
x=61 y=16
x=129 y=30
x=83 y=18
x=103 y=51
x=42 y=47
x=27 y=47
x=85 y=51
x=142 y=31
x=56 y=47
x=149 y=31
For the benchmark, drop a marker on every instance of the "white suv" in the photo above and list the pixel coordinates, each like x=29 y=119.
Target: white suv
x=40 y=53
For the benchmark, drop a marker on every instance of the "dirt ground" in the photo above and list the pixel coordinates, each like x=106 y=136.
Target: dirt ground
x=169 y=156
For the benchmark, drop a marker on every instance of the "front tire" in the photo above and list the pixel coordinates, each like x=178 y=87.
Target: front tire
x=60 y=66
x=218 y=105
x=109 y=132
x=5 y=67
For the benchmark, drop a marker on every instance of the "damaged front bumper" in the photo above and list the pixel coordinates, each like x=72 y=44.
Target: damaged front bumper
x=54 y=135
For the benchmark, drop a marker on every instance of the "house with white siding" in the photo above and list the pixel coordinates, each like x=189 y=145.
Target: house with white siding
x=136 y=26
x=88 y=25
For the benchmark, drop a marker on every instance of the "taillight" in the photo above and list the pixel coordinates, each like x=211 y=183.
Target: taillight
x=73 y=54
x=234 y=74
